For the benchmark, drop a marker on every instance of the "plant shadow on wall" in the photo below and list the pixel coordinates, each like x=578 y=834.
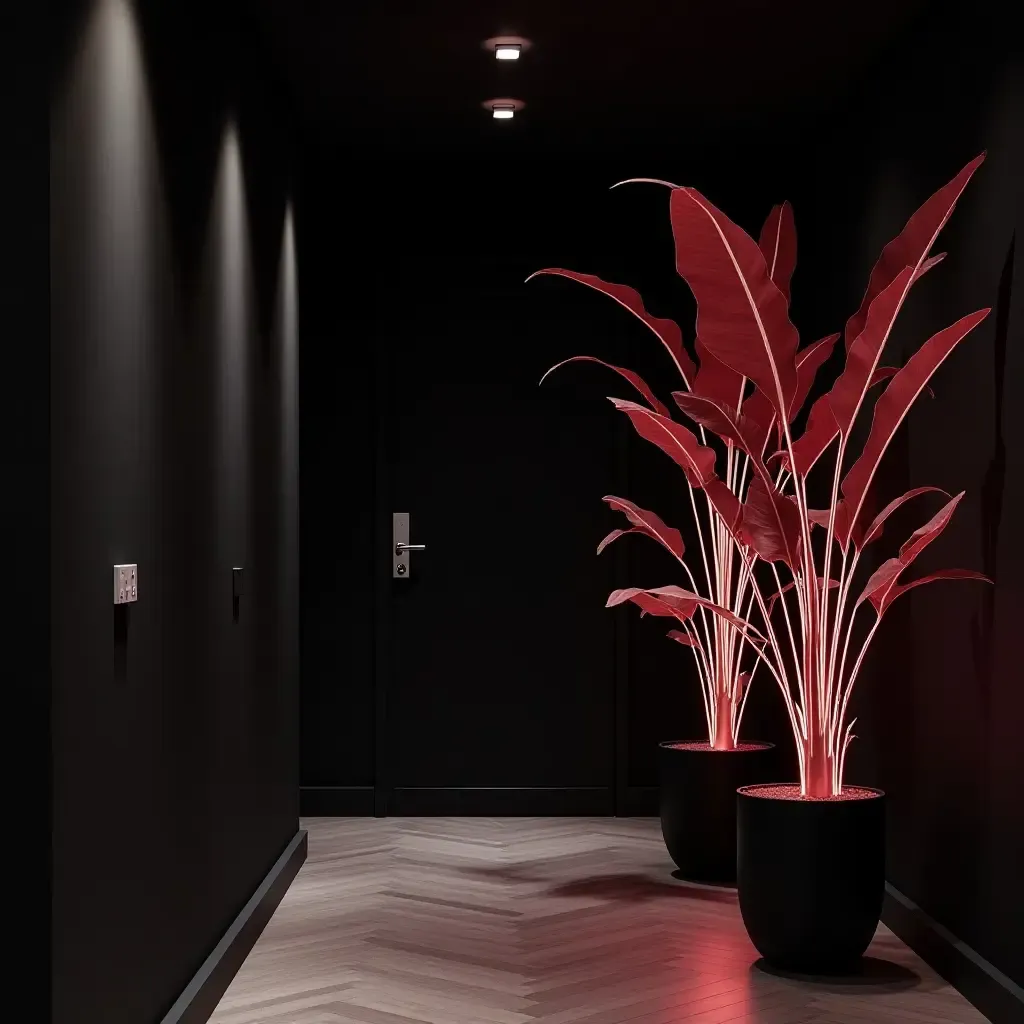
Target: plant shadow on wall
x=780 y=581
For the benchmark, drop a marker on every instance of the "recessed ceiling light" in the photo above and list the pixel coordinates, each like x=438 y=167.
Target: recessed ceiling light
x=508 y=51
x=503 y=108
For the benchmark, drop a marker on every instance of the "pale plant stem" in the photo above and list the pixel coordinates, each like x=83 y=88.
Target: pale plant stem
x=789 y=624
x=704 y=557
x=835 y=633
x=848 y=689
x=702 y=609
x=845 y=586
x=827 y=641
x=705 y=686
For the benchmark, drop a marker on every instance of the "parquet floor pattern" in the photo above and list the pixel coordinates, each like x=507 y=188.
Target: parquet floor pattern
x=515 y=920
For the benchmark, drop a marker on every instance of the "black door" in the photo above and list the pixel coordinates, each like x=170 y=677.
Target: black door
x=496 y=659
x=490 y=678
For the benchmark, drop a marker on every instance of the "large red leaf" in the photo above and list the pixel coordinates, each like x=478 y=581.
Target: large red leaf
x=612 y=537
x=778 y=245
x=895 y=402
x=667 y=330
x=675 y=440
x=862 y=355
x=709 y=413
x=819 y=433
x=840 y=522
x=742 y=316
x=650 y=524
x=882 y=587
x=883 y=373
x=682 y=446
x=634 y=378
x=808 y=361
x=913 y=243
x=771 y=524
x=758 y=411
x=942 y=574
x=874 y=530
x=685 y=638
x=674 y=601
x=715 y=380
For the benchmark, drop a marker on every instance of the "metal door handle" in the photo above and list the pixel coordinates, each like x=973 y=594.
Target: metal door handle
x=401 y=568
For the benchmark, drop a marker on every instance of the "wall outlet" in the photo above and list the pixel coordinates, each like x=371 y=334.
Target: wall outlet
x=126 y=584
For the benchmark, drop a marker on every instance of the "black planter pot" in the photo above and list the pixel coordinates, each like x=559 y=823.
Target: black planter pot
x=811 y=875
x=698 y=804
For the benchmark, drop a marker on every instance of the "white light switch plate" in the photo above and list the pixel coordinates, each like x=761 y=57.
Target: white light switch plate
x=126 y=584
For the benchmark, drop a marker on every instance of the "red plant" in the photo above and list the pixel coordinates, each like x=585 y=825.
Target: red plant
x=753 y=381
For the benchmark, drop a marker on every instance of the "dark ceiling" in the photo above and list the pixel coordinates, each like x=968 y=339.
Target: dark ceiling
x=414 y=74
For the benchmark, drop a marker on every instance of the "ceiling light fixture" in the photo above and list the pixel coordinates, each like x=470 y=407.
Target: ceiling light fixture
x=503 y=111
x=508 y=51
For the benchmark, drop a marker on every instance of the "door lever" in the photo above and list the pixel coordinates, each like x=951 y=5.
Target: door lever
x=400 y=567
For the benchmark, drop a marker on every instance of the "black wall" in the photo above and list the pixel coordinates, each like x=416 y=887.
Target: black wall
x=173 y=444
x=941 y=705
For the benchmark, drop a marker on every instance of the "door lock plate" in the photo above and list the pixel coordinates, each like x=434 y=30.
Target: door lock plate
x=399 y=535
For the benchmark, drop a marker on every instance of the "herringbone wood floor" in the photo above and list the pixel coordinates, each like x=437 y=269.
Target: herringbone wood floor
x=564 y=920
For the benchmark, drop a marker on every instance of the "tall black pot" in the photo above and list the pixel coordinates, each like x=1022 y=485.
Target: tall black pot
x=698 y=804
x=811 y=875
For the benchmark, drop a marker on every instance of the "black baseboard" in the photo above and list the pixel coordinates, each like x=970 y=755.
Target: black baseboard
x=203 y=992
x=998 y=997
x=336 y=801
x=500 y=802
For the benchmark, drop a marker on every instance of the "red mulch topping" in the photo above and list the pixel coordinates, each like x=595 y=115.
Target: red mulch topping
x=707 y=746
x=792 y=792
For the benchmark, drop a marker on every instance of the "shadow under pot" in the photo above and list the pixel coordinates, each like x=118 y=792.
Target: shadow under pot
x=811 y=875
x=698 y=804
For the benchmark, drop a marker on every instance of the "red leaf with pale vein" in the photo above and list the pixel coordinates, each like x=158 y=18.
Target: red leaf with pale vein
x=820 y=432
x=742 y=316
x=874 y=530
x=711 y=414
x=932 y=261
x=778 y=246
x=667 y=331
x=613 y=536
x=725 y=503
x=895 y=402
x=818 y=516
x=760 y=416
x=685 y=638
x=680 y=444
x=651 y=605
x=883 y=373
x=913 y=243
x=675 y=440
x=840 y=523
x=832 y=584
x=634 y=378
x=941 y=574
x=808 y=361
x=862 y=355
x=715 y=380
x=650 y=524
x=882 y=588
x=674 y=601
x=924 y=535
x=771 y=524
